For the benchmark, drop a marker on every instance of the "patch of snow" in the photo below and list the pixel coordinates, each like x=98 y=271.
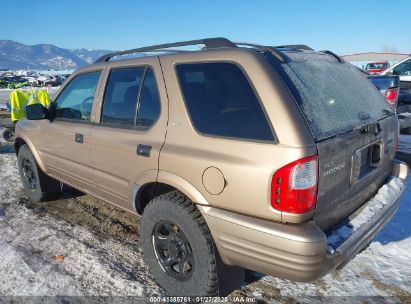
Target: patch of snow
x=386 y=195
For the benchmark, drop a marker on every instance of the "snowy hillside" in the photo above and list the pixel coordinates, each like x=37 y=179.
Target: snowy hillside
x=14 y=55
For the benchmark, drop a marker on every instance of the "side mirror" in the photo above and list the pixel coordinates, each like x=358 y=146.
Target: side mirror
x=36 y=112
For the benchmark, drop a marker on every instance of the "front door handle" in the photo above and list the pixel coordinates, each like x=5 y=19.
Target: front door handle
x=78 y=138
x=144 y=150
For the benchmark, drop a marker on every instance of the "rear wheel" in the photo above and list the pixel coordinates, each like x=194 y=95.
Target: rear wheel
x=37 y=185
x=178 y=246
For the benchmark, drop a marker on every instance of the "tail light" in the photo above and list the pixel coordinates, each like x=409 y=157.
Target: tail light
x=294 y=186
x=392 y=97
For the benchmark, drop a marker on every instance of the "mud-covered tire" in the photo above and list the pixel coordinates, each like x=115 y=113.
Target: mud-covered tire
x=37 y=185
x=175 y=207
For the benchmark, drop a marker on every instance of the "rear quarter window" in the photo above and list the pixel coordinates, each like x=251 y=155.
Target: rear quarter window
x=221 y=102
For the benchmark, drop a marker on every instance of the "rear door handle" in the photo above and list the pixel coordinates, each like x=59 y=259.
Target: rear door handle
x=144 y=150
x=78 y=138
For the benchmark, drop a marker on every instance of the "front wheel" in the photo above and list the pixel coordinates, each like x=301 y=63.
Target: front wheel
x=37 y=185
x=178 y=246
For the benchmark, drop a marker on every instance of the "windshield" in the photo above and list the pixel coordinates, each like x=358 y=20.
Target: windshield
x=374 y=66
x=334 y=97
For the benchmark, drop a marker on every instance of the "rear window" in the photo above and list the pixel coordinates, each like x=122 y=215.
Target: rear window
x=334 y=97
x=221 y=102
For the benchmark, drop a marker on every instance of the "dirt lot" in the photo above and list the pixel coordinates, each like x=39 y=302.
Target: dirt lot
x=98 y=254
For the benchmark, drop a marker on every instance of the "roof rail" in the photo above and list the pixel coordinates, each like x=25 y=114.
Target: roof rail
x=210 y=43
x=295 y=47
x=273 y=50
x=333 y=54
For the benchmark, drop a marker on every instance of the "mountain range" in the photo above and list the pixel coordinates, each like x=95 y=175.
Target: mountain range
x=15 y=55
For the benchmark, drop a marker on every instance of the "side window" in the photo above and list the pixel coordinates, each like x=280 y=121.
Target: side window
x=149 y=106
x=221 y=102
x=76 y=99
x=120 y=97
x=403 y=69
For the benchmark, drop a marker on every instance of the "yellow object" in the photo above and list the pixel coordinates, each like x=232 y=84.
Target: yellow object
x=19 y=100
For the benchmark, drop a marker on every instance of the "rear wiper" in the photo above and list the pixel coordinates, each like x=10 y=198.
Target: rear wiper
x=387 y=112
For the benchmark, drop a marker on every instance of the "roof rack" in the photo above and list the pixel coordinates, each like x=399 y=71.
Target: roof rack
x=333 y=54
x=295 y=47
x=272 y=49
x=210 y=43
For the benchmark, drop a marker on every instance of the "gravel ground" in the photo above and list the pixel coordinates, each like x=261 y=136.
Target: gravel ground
x=80 y=246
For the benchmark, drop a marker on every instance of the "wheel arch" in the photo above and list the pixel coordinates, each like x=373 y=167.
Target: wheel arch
x=165 y=182
x=20 y=141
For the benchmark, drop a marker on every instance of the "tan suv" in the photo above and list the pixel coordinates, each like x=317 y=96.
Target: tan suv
x=274 y=159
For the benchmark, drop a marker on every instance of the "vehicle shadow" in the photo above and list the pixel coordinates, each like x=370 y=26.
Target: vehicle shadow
x=399 y=228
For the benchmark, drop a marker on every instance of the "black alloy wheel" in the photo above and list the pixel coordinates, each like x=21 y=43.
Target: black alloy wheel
x=173 y=250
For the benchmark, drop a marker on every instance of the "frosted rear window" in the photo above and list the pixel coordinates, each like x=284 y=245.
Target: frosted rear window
x=334 y=97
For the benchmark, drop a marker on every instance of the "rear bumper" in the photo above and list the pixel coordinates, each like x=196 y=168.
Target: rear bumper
x=299 y=252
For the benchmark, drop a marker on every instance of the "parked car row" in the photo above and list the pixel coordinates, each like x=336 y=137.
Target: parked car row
x=10 y=81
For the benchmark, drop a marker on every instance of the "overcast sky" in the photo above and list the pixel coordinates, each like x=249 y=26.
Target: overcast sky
x=346 y=26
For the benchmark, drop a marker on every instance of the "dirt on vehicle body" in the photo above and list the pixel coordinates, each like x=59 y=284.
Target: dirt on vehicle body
x=238 y=154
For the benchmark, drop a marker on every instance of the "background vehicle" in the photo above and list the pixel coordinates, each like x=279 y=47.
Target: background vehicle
x=376 y=67
x=17 y=84
x=403 y=70
x=31 y=80
x=234 y=155
x=42 y=79
x=389 y=86
x=13 y=82
x=54 y=81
